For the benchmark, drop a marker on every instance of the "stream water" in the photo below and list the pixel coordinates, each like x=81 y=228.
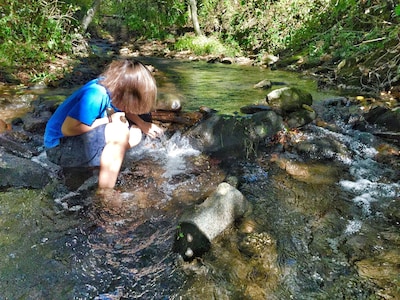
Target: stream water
x=324 y=225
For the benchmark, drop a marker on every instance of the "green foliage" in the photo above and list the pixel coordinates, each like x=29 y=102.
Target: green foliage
x=397 y=10
x=180 y=234
x=149 y=18
x=202 y=45
x=259 y=25
x=349 y=29
x=32 y=32
x=341 y=28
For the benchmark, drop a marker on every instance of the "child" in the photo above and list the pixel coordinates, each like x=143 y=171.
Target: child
x=81 y=134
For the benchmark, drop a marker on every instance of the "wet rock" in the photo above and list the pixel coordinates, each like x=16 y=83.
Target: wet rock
x=309 y=172
x=321 y=148
x=382 y=270
x=339 y=101
x=169 y=102
x=230 y=135
x=36 y=123
x=384 y=117
x=217 y=133
x=199 y=227
x=264 y=124
x=16 y=146
x=301 y=117
x=292 y=104
x=264 y=84
x=392 y=211
x=21 y=172
x=288 y=99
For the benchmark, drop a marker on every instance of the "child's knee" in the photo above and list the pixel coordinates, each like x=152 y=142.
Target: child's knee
x=135 y=136
x=115 y=133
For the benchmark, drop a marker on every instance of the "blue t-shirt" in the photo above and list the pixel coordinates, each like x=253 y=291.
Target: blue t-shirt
x=85 y=105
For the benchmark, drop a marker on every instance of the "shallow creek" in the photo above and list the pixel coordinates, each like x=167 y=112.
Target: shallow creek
x=324 y=224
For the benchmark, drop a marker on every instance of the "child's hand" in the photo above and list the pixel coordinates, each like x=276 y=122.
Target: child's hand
x=152 y=130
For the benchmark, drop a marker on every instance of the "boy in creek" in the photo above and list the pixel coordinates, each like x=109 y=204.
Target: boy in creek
x=98 y=123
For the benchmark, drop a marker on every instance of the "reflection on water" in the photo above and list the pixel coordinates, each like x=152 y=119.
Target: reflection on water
x=324 y=225
x=224 y=87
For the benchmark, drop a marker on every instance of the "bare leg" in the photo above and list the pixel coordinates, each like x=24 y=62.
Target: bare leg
x=135 y=136
x=117 y=142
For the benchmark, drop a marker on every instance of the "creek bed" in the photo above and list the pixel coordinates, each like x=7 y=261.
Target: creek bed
x=325 y=225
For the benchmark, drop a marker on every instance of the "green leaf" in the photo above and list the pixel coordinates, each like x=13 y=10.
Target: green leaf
x=397 y=10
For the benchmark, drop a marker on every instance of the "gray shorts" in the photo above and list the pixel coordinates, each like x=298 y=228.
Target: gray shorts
x=79 y=151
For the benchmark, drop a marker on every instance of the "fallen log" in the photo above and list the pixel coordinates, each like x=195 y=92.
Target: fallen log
x=185 y=118
x=198 y=228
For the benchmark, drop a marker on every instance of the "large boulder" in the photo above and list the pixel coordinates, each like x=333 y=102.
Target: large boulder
x=301 y=117
x=384 y=117
x=232 y=135
x=21 y=172
x=288 y=99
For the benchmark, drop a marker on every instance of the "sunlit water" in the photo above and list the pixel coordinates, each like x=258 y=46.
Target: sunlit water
x=305 y=239
x=224 y=87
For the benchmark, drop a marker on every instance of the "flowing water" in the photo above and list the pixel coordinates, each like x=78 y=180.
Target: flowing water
x=324 y=224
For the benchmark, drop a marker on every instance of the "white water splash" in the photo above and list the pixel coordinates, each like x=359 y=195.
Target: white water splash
x=370 y=180
x=355 y=146
x=369 y=192
x=171 y=153
x=353 y=226
x=177 y=149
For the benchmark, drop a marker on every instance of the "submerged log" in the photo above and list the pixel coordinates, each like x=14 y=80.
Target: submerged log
x=199 y=227
x=254 y=108
x=391 y=136
x=185 y=118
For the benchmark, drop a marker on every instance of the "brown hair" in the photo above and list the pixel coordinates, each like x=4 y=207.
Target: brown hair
x=131 y=85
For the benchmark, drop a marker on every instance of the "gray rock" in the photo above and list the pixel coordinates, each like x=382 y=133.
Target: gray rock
x=218 y=133
x=169 y=102
x=21 y=172
x=300 y=118
x=288 y=99
x=264 y=84
x=231 y=135
x=385 y=117
x=36 y=123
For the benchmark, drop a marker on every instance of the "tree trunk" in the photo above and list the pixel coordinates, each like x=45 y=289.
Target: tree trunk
x=90 y=14
x=193 y=10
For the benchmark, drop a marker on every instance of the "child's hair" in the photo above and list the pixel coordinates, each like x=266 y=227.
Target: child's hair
x=131 y=85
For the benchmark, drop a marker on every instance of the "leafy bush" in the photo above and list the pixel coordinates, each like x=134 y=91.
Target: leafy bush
x=340 y=27
x=260 y=25
x=202 y=45
x=149 y=18
x=31 y=32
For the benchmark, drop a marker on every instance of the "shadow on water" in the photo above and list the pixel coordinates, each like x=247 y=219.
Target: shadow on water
x=324 y=225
